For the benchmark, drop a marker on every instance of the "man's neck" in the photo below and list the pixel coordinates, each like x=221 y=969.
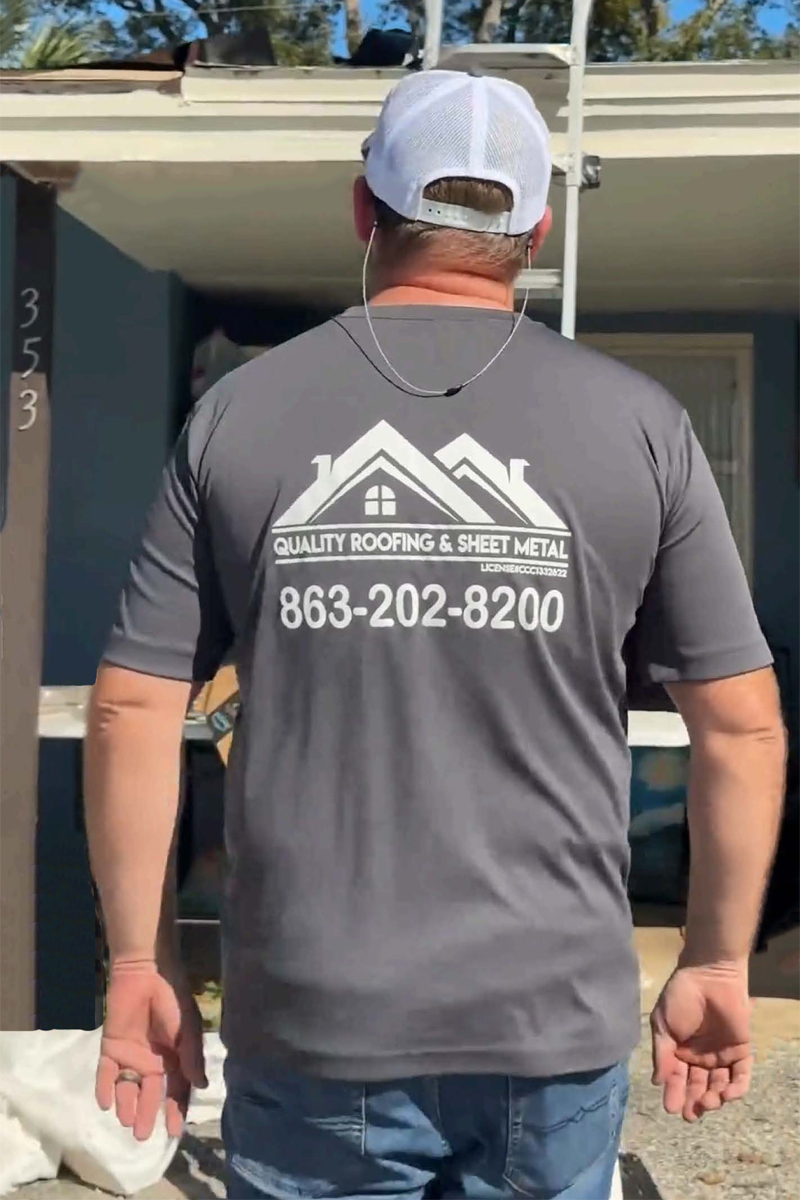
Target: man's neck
x=446 y=288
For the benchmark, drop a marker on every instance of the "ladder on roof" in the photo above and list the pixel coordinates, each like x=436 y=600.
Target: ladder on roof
x=562 y=66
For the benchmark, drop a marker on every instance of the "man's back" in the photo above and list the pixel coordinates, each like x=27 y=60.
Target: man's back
x=429 y=534
x=427 y=600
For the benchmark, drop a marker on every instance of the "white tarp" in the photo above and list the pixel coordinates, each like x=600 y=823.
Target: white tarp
x=48 y=1114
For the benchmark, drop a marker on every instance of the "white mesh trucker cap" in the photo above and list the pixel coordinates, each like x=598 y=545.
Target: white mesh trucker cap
x=444 y=124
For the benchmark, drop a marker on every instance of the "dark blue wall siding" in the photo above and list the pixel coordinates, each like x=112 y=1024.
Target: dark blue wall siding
x=777 y=475
x=776 y=530
x=64 y=904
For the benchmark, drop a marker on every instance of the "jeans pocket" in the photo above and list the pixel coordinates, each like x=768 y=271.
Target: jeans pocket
x=559 y=1127
x=291 y=1135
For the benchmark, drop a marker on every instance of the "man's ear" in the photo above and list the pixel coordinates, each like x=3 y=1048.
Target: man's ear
x=363 y=209
x=540 y=232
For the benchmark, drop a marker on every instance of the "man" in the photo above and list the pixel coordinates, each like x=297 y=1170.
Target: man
x=425 y=532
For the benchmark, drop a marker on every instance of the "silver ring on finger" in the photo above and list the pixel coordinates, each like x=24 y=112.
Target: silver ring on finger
x=128 y=1076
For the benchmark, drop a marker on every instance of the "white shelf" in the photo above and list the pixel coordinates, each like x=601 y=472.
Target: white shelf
x=543 y=283
x=661 y=730
x=62 y=715
x=509 y=56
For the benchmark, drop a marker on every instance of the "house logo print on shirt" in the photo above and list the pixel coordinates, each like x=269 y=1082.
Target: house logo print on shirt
x=383 y=499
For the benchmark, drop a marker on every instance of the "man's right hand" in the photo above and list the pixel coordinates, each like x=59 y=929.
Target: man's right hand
x=702 y=1055
x=152 y=1029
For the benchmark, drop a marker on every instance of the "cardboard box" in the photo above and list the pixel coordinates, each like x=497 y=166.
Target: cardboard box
x=219 y=702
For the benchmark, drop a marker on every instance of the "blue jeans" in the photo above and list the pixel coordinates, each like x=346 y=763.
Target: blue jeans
x=483 y=1137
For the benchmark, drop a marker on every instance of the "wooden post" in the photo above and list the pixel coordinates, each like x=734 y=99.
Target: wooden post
x=23 y=545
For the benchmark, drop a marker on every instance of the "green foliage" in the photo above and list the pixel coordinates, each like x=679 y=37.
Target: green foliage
x=301 y=32
x=31 y=40
x=723 y=29
x=52 y=47
x=14 y=18
x=300 y=29
x=619 y=29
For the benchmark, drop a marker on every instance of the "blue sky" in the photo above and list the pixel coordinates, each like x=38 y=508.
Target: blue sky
x=773 y=19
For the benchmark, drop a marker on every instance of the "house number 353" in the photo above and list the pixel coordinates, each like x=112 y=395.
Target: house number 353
x=29 y=395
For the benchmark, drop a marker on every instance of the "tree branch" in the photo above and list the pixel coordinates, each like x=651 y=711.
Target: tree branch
x=491 y=13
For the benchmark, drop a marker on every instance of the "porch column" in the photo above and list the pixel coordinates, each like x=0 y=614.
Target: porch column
x=23 y=542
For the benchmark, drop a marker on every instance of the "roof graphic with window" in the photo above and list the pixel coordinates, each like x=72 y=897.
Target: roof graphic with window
x=385 y=452
x=382 y=450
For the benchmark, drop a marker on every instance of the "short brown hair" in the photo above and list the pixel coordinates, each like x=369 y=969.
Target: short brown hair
x=496 y=255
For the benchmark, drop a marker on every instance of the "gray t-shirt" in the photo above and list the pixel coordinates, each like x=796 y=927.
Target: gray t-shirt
x=427 y=601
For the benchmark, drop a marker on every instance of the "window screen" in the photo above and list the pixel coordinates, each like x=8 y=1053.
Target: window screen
x=708 y=383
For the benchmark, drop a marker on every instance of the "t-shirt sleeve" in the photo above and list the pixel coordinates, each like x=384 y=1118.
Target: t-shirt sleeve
x=172 y=618
x=697 y=619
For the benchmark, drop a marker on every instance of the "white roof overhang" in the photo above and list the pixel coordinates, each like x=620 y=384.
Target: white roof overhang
x=685 y=216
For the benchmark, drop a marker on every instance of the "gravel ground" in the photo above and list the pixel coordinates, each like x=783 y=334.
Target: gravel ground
x=749 y=1151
